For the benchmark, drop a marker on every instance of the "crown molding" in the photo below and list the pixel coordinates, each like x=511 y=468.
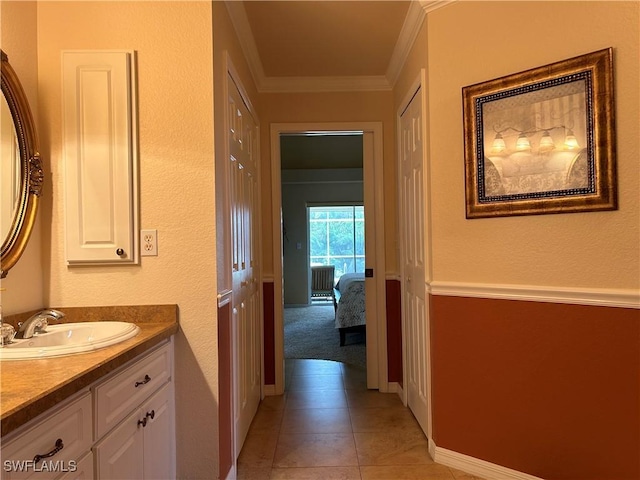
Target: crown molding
x=410 y=29
x=240 y=22
x=431 y=5
x=418 y=10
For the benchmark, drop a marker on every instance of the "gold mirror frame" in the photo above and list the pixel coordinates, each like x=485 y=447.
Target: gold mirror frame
x=31 y=173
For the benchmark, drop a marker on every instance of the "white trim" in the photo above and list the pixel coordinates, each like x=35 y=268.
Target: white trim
x=394 y=387
x=432 y=448
x=269 y=390
x=408 y=34
x=393 y=276
x=401 y=393
x=431 y=5
x=267 y=279
x=231 y=475
x=475 y=466
x=224 y=298
x=622 y=298
x=238 y=16
x=377 y=374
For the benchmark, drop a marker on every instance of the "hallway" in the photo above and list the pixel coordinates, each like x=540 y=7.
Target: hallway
x=329 y=426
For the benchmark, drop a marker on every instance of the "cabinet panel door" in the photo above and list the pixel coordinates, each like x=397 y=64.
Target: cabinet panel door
x=159 y=436
x=120 y=454
x=100 y=157
x=83 y=469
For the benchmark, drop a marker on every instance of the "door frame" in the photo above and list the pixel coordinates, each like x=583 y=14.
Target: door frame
x=420 y=83
x=377 y=373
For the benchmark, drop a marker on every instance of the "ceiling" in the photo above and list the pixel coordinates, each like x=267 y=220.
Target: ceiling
x=327 y=45
x=325 y=38
x=320 y=151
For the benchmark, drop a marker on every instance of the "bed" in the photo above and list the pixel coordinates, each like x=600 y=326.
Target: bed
x=350 y=310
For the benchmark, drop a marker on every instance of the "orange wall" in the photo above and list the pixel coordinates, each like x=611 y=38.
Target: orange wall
x=548 y=389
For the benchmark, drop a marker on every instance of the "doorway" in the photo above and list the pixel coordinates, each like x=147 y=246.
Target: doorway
x=374 y=220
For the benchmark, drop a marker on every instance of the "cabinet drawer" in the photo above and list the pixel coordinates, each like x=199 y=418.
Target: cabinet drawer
x=118 y=396
x=72 y=424
x=83 y=470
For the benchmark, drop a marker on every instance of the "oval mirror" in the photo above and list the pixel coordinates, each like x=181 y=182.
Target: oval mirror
x=21 y=175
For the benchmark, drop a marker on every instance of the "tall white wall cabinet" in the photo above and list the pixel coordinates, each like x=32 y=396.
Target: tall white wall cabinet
x=100 y=157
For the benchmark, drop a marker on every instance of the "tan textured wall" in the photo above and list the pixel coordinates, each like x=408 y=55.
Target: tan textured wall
x=470 y=42
x=24 y=284
x=173 y=41
x=330 y=107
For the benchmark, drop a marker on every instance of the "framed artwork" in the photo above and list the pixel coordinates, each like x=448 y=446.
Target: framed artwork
x=542 y=140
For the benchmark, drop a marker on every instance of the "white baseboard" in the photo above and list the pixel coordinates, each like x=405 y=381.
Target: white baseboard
x=475 y=466
x=232 y=474
x=605 y=297
x=393 y=387
x=269 y=390
x=432 y=449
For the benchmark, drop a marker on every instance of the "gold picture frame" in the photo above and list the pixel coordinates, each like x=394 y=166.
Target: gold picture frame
x=542 y=141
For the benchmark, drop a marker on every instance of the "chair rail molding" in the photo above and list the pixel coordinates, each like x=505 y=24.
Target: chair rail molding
x=605 y=297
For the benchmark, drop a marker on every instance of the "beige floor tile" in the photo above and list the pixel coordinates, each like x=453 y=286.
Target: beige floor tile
x=316 y=399
x=406 y=472
x=258 y=449
x=316 y=473
x=266 y=420
x=383 y=419
x=316 y=420
x=273 y=402
x=316 y=382
x=315 y=450
x=317 y=367
x=372 y=399
x=354 y=377
x=249 y=472
x=392 y=448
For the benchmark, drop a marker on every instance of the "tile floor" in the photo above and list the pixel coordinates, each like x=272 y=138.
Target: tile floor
x=329 y=426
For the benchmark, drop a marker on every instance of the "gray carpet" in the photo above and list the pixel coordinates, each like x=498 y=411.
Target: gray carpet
x=309 y=332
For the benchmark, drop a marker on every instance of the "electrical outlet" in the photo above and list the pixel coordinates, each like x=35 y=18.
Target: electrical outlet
x=148 y=243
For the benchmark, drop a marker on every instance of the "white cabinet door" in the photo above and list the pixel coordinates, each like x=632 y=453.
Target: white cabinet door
x=83 y=469
x=158 y=436
x=99 y=149
x=120 y=455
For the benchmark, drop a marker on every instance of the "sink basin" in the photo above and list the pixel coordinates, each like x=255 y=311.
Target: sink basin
x=69 y=338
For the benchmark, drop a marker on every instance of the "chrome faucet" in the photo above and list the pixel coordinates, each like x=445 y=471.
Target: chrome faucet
x=37 y=323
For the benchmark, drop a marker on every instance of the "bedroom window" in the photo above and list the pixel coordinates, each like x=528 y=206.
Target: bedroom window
x=336 y=237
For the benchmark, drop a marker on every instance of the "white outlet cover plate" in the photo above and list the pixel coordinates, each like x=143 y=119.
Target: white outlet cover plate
x=148 y=243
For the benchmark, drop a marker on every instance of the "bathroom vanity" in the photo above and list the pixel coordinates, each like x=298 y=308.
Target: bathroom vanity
x=99 y=415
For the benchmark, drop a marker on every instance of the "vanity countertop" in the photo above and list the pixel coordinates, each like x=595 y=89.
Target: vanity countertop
x=30 y=387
